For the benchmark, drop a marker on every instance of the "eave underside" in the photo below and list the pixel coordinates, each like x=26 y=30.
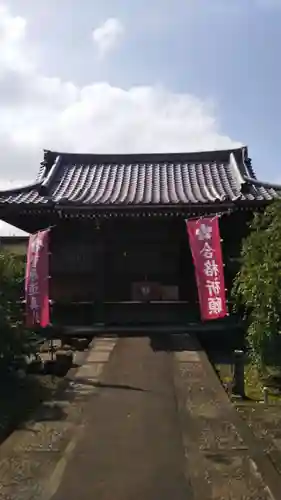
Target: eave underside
x=31 y=219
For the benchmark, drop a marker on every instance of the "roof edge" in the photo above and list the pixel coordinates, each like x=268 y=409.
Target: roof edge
x=46 y=181
x=191 y=156
x=247 y=164
x=22 y=189
x=258 y=183
x=40 y=186
x=235 y=166
x=250 y=176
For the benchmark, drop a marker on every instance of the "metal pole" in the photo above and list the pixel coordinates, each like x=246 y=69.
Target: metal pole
x=238 y=378
x=265 y=395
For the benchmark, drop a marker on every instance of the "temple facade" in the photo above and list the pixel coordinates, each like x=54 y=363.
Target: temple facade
x=119 y=248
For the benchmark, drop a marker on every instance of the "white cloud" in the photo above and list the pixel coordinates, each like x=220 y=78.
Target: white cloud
x=39 y=112
x=12 y=31
x=107 y=36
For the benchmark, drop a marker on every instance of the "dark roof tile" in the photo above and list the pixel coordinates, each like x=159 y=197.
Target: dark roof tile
x=172 y=179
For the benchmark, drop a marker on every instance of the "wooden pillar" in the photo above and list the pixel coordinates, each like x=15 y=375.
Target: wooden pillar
x=98 y=255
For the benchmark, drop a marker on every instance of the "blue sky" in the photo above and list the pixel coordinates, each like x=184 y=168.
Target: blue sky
x=222 y=50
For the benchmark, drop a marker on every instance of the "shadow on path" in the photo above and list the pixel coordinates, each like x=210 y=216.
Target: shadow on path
x=173 y=343
x=100 y=385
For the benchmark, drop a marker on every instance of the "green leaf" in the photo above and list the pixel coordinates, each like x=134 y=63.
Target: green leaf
x=257 y=285
x=15 y=339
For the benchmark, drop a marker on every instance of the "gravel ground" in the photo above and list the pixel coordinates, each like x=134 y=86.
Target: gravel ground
x=31 y=454
x=263 y=420
x=219 y=460
x=265 y=423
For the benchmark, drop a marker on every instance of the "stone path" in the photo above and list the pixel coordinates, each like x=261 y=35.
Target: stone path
x=153 y=423
x=131 y=447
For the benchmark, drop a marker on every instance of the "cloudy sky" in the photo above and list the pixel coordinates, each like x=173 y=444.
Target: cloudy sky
x=138 y=76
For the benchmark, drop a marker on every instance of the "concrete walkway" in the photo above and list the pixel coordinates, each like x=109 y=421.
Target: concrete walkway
x=141 y=420
x=131 y=447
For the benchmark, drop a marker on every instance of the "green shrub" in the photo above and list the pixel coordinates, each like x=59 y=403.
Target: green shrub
x=15 y=339
x=257 y=286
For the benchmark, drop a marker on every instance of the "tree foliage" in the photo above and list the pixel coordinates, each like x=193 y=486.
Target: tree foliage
x=257 y=286
x=15 y=340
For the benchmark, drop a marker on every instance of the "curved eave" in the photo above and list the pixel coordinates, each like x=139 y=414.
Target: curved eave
x=20 y=190
x=72 y=211
x=50 y=206
x=39 y=186
x=73 y=207
x=266 y=185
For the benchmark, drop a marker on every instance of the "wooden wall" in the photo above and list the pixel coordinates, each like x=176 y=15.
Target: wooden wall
x=103 y=264
x=108 y=261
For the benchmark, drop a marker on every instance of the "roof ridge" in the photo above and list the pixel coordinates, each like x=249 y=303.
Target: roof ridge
x=190 y=156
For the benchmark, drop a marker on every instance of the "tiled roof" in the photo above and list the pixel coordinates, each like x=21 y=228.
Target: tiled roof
x=133 y=180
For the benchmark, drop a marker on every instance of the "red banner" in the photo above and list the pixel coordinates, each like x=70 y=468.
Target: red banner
x=204 y=238
x=37 y=280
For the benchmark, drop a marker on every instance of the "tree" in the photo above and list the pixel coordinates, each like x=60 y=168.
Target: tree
x=15 y=340
x=257 y=286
